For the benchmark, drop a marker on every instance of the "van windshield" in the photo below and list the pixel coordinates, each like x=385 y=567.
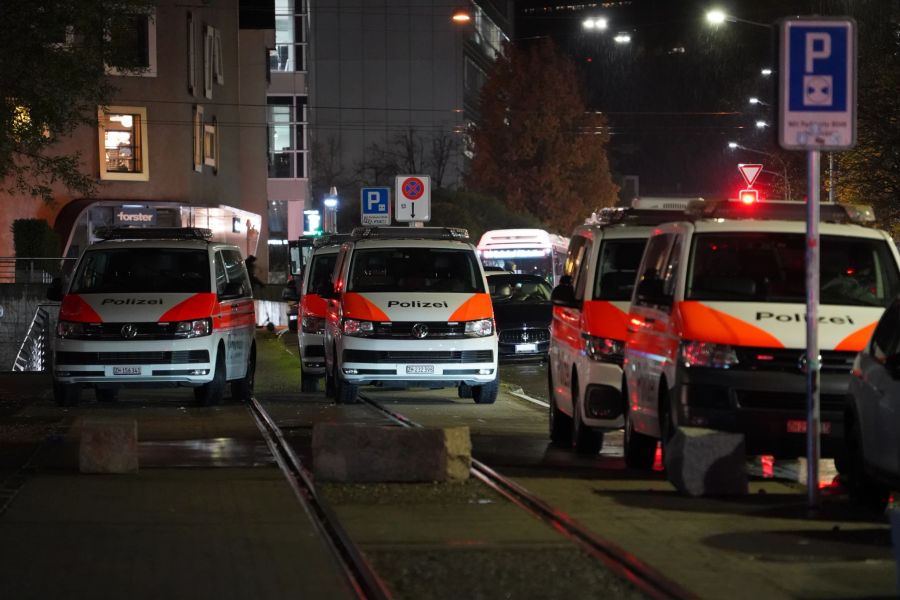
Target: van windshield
x=771 y=267
x=415 y=270
x=142 y=270
x=320 y=270
x=617 y=269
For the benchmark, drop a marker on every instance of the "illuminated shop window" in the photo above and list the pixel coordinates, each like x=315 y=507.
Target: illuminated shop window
x=123 y=143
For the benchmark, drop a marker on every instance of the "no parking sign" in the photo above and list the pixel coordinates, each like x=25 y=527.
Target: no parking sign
x=413 y=193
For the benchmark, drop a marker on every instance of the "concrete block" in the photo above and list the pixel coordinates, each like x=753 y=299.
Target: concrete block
x=108 y=446
x=706 y=462
x=366 y=453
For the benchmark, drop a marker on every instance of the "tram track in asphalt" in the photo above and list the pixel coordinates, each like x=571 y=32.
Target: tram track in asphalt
x=642 y=575
x=363 y=580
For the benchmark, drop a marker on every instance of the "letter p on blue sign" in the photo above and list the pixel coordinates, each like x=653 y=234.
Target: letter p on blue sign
x=375 y=206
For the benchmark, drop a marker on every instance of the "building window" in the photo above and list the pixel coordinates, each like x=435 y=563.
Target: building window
x=132 y=41
x=211 y=145
x=487 y=35
x=123 y=143
x=198 y=138
x=191 y=55
x=287 y=125
x=473 y=77
x=279 y=257
x=291 y=28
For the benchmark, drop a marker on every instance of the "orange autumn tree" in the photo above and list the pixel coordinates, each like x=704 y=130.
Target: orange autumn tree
x=535 y=145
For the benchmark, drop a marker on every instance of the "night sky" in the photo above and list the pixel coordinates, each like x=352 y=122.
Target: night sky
x=678 y=92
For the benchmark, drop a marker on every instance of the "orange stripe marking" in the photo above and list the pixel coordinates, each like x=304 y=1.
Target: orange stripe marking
x=74 y=308
x=705 y=324
x=857 y=340
x=604 y=319
x=477 y=307
x=357 y=306
x=199 y=306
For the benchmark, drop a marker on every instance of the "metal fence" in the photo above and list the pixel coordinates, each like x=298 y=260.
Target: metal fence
x=33 y=270
x=34 y=352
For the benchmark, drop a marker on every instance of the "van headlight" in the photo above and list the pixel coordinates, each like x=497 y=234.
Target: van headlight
x=708 y=354
x=604 y=349
x=357 y=328
x=192 y=329
x=313 y=325
x=479 y=328
x=73 y=329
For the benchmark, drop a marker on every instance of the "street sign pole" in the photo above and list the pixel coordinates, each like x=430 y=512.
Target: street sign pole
x=813 y=363
x=817 y=111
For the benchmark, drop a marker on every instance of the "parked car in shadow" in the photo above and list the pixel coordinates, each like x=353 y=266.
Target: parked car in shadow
x=873 y=415
x=523 y=312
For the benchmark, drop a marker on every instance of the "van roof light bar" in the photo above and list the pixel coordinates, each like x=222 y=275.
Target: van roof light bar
x=330 y=239
x=153 y=233
x=648 y=211
x=421 y=233
x=789 y=210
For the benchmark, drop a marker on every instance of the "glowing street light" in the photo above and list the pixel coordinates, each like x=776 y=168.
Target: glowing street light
x=622 y=38
x=716 y=17
x=761 y=124
x=755 y=100
x=461 y=16
x=598 y=23
x=766 y=72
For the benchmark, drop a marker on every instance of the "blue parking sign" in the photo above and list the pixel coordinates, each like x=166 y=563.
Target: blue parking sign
x=375 y=206
x=817 y=84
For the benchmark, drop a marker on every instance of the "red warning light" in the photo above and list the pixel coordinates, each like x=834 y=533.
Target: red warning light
x=749 y=196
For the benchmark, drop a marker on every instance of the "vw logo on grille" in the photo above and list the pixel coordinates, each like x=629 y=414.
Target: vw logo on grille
x=420 y=330
x=129 y=331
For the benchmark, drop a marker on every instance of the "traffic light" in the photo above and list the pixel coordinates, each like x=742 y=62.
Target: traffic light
x=748 y=196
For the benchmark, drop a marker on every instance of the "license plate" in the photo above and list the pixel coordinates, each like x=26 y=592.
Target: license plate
x=126 y=370
x=526 y=347
x=799 y=426
x=419 y=369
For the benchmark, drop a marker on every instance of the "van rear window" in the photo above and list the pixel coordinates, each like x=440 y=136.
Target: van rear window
x=142 y=270
x=771 y=267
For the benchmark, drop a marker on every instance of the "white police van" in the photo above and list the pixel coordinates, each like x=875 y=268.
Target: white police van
x=410 y=306
x=155 y=307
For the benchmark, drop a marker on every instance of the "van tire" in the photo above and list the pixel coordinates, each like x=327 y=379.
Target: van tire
x=213 y=392
x=309 y=383
x=345 y=392
x=560 y=424
x=66 y=394
x=106 y=394
x=464 y=390
x=862 y=489
x=640 y=449
x=486 y=393
x=584 y=439
x=242 y=389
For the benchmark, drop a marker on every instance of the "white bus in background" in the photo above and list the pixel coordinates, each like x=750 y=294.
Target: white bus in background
x=530 y=251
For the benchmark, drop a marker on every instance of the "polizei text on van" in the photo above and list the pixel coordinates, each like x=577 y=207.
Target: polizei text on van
x=416 y=304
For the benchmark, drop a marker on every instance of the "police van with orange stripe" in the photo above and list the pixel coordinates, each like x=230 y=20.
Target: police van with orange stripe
x=313 y=308
x=590 y=314
x=155 y=307
x=717 y=331
x=410 y=306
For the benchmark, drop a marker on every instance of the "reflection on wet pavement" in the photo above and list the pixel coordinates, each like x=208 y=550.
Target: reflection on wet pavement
x=216 y=452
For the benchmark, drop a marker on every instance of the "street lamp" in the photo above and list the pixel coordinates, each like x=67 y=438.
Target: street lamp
x=761 y=124
x=787 y=182
x=766 y=72
x=599 y=23
x=717 y=16
x=329 y=216
x=622 y=38
x=755 y=100
x=461 y=16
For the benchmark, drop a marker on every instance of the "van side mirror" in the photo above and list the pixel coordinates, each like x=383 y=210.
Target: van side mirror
x=650 y=290
x=54 y=292
x=326 y=290
x=564 y=294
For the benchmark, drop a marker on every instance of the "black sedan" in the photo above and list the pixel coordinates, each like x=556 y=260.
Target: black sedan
x=523 y=313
